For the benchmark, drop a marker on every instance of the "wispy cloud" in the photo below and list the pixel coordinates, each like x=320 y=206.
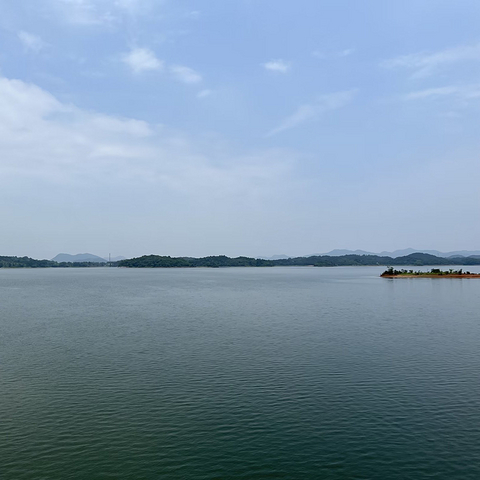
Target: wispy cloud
x=185 y=74
x=425 y=64
x=279 y=66
x=31 y=42
x=463 y=92
x=101 y=12
x=204 y=93
x=431 y=93
x=83 y=12
x=311 y=111
x=142 y=60
x=133 y=6
x=347 y=52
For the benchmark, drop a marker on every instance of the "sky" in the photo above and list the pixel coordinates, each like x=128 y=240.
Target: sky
x=239 y=127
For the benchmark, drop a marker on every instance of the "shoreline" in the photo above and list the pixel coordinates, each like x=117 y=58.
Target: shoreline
x=432 y=276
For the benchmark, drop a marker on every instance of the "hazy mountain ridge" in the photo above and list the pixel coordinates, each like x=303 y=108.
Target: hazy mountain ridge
x=401 y=253
x=85 y=257
x=89 y=257
x=79 y=257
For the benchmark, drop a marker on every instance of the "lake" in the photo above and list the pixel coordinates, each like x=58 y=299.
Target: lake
x=238 y=373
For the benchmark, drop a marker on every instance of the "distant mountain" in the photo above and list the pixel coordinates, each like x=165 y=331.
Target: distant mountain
x=463 y=253
x=394 y=254
x=408 y=251
x=405 y=252
x=79 y=257
x=339 y=252
x=401 y=253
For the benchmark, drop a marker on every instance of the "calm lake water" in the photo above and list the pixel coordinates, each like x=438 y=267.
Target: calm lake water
x=238 y=373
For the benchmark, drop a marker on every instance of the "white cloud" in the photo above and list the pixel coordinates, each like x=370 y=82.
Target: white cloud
x=185 y=74
x=307 y=112
x=18 y=97
x=31 y=42
x=204 y=93
x=425 y=64
x=141 y=60
x=280 y=66
x=41 y=137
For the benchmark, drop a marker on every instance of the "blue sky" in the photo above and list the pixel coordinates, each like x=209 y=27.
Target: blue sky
x=251 y=127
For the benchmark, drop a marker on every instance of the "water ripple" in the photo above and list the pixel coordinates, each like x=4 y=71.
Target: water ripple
x=237 y=374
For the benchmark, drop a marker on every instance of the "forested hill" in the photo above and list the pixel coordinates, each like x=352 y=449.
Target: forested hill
x=27 y=262
x=415 y=259
x=24 y=262
x=156 y=261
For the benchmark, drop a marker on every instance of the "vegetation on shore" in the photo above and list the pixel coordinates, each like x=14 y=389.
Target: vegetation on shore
x=27 y=262
x=158 y=261
x=415 y=259
x=434 y=272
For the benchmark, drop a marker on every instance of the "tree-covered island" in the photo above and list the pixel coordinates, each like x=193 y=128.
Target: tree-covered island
x=434 y=272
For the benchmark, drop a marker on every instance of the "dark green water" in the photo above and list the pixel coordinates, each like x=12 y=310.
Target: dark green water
x=280 y=373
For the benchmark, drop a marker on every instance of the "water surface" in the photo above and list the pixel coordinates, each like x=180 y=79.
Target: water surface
x=253 y=373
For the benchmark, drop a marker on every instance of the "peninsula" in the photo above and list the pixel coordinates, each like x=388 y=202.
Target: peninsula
x=433 y=273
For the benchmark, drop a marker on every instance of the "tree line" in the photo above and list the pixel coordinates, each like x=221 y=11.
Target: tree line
x=159 y=261
x=414 y=259
x=27 y=262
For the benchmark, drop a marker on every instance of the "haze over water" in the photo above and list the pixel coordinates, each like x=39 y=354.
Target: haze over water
x=292 y=373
